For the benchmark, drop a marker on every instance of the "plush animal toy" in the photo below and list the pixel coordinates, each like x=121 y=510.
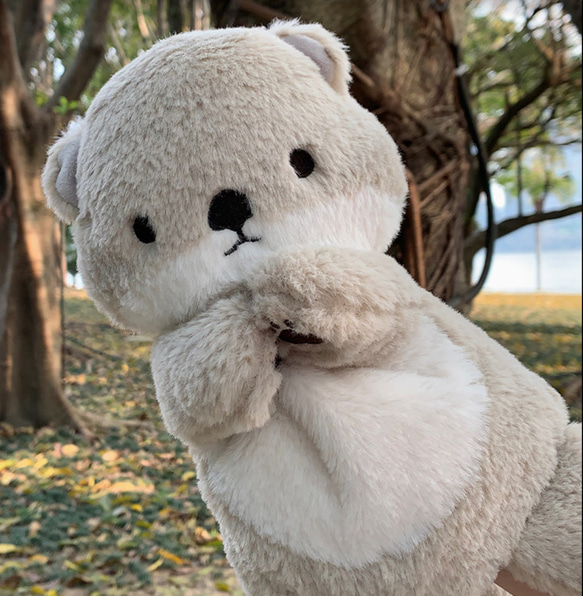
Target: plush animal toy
x=352 y=434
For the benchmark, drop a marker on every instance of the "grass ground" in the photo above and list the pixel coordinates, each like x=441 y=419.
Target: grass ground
x=121 y=514
x=543 y=331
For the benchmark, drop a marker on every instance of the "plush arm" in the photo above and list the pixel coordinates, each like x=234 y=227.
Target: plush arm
x=215 y=375
x=548 y=556
x=352 y=302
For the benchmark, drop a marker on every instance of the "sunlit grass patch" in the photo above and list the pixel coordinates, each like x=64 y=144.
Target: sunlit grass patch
x=542 y=330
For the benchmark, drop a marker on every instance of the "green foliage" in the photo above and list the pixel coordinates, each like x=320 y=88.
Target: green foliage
x=543 y=173
x=517 y=52
x=123 y=43
x=65 y=106
x=508 y=55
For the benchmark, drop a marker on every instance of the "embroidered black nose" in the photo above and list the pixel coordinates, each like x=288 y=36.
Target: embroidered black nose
x=229 y=210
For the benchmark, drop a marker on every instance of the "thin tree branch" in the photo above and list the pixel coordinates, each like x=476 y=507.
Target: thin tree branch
x=90 y=53
x=491 y=87
x=117 y=45
x=512 y=110
x=477 y=241
x=141 y=20
x=28 y=26
x=414 y=234
x=540 y=121
x=160 y=22
x=538 y=141
x=505 y=163
x=553 y=77
x=481 y=63
x=31 y=19
x=174 y=16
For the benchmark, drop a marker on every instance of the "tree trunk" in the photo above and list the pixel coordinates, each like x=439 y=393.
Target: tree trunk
x=30 y=273
x=30 y=386
x=31 y=268
x=404 y=73
x=538 y=206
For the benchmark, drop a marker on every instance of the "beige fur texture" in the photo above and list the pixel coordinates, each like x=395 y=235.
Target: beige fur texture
x=232 y=199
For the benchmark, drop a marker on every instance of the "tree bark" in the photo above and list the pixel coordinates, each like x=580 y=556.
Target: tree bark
x=404 y=72
x=30 y=390
x=175 y=16
x=30 y=249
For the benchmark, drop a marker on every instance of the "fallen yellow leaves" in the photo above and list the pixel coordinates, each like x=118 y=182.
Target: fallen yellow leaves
x=42 y=591
x=97 y=490
x=202 y=536
x=171 y=557
x=23 y=463
x=68 y=450
x=124 y=486
x=76 y=379
x=16 y=470
x=155 y=565
x=51 y=471
x=6 y=548
x=110 y=456
x=6 y=477
x=6 y=522
x=73 y=566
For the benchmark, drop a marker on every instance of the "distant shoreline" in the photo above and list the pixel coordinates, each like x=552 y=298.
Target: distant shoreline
x=515 y=272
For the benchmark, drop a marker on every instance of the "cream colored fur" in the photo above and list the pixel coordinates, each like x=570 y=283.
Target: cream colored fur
x=424 y=415
x=405 y=454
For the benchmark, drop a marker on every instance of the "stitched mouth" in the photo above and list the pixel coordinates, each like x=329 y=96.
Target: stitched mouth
x=242 y=239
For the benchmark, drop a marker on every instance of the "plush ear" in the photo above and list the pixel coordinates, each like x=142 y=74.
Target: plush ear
x=59 y=178
x=321 y=46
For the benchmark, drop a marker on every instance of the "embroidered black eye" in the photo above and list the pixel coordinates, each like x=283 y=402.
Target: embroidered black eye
x=143 y=230
x=302 y=162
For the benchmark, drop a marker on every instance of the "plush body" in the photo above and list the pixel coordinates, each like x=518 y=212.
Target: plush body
x=353 y=435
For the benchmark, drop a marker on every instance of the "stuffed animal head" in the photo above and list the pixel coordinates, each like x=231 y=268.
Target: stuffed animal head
x=209 y=153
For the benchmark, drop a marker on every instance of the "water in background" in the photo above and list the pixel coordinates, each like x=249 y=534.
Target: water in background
x=516 y=271
x=514 y=267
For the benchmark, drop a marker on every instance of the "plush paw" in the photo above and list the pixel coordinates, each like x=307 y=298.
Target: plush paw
x=339 y=297
x=215 y=374
x=288 y=304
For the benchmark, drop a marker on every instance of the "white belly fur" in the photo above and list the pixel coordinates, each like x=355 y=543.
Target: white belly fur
x=358 y=463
